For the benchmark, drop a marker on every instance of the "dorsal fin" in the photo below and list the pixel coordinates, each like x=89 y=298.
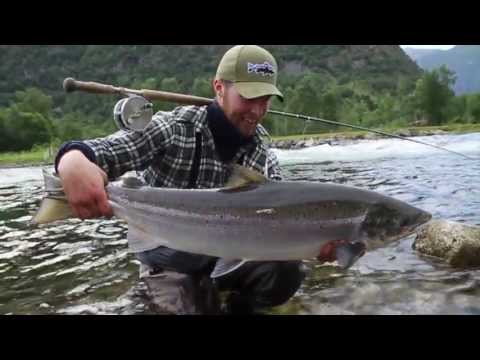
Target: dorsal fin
x=242 y=176
x=133 y=182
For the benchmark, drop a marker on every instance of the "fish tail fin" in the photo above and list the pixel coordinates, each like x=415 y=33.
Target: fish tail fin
x=347 y=254
x=54 y=206
x=52 y=210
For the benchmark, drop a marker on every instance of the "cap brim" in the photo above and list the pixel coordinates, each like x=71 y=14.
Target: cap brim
x=252 y=90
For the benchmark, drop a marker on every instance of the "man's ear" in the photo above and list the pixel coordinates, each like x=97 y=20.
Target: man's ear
x=218 y=87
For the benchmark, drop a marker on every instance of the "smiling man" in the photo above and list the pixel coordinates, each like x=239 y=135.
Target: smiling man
x=194 y=147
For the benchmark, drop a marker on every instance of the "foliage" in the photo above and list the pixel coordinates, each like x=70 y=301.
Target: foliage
x=433 y=93
x=319 y=81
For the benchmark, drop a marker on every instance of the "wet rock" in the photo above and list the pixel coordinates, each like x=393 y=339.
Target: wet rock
x=310 y=142
x=403 y=133
x=371 y=136
x=457 y=243
x=414 y=132
x=299 y=145
x=276 y=144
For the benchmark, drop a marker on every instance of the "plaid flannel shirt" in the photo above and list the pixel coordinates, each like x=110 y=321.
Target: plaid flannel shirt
x=165 y=150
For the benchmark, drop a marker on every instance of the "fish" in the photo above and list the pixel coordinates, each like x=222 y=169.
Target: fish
x=251 y=218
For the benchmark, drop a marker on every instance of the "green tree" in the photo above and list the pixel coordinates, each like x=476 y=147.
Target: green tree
x=330 y=104
x=433 y=92
x=5 y=136
x=278 y=125
x=305 y=100
x=386 y=110
x=202 y=87
x=170 y=84
x=473 y=108
x=405 y=86
x=33 y=100
x=70 y=128
x=456 y=110
x=149 y=84
x=354 y=112
x=27 y=121
x=23 y=130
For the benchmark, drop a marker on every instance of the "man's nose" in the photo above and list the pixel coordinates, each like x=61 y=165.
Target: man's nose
x=259 y=108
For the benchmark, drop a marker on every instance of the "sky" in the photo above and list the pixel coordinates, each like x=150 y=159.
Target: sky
x=440 y=47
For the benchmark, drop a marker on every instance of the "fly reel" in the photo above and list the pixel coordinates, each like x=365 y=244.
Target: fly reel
x=133 y=113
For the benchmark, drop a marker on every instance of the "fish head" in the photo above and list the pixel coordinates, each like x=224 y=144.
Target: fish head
x=385 y=223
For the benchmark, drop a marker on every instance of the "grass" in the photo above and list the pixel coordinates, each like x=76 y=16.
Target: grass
x=37 y=156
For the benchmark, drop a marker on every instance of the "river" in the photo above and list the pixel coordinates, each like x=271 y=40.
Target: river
x=76 y=267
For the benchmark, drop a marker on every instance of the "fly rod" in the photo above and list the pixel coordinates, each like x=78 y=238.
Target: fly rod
x=71 y=85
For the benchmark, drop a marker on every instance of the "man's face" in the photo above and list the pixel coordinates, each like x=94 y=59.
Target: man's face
x=243 y=113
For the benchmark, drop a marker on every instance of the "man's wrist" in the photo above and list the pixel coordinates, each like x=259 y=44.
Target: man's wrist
x=74 y=145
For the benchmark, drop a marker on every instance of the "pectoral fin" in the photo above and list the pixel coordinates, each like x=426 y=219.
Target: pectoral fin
x=224 y=267
x=348 y=253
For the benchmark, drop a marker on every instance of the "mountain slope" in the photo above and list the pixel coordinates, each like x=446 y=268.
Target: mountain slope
x=46 y=66
x=464 y=60
x=417 y=54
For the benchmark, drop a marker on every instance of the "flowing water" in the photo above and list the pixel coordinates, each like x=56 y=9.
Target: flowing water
x=76 y=267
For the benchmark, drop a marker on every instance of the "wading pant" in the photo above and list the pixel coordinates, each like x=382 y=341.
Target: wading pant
x=253 y=286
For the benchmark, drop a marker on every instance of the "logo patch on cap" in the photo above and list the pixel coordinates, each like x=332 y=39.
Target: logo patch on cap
x=265 y=69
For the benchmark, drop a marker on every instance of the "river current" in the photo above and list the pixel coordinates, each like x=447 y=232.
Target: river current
x=83 y=267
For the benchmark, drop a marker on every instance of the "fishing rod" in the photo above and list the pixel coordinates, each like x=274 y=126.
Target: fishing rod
x=71 y=85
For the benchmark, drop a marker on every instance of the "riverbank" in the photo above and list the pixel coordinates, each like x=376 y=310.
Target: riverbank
x=302 y=141
x=37 y=157
x=45 y=156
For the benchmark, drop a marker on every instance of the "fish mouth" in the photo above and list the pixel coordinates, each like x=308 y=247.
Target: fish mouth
x=416 y=225
x=424 y=218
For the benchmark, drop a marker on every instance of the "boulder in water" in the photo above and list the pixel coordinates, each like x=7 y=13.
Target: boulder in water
x=457 y=243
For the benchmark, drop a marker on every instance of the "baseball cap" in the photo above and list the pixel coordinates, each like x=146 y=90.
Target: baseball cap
x=251 y=69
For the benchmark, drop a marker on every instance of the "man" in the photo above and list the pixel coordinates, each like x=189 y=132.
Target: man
x=194 y=147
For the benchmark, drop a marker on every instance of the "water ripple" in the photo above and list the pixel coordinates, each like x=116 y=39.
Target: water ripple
x=83 y=267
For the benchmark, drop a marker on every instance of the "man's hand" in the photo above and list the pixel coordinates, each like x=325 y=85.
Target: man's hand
x=84 y=185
